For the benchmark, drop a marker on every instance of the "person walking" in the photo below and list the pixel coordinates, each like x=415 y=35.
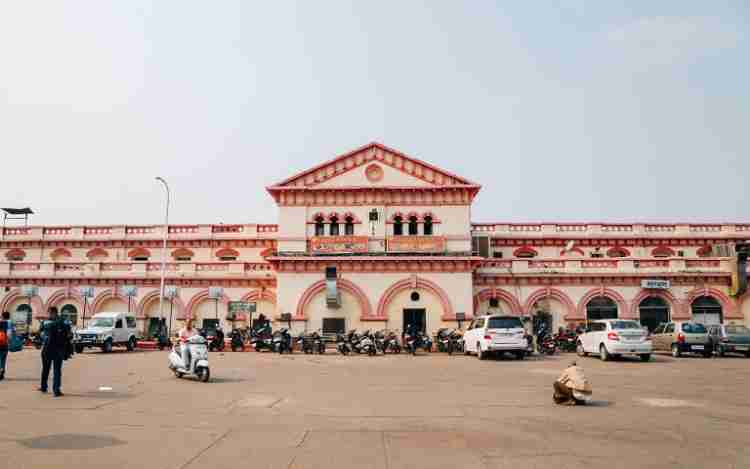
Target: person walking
x=56 y=348
x=7 y=331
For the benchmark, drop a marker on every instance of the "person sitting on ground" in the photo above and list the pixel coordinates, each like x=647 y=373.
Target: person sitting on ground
x=572 y=387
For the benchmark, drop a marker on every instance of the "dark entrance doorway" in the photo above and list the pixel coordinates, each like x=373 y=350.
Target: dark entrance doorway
x=653 y=311
x=707 y=310
x=601 y=307
x=210 y=326
x=153 y=327
x=417 y=316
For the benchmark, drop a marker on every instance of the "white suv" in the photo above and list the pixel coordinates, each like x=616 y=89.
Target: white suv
x=106 y=330
x=614 y=337
x=496 y=334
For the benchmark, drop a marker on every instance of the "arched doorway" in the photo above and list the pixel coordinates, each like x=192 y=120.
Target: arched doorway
x=70 y=314
x=707 y=310
x=653 y=311
x=601 y=307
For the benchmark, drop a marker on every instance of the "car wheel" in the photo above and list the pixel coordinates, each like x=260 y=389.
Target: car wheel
x=603 y=353
x=520 y=355
x=676 y=351
x=107 y=347
x=481 y=354
x=580 y=351
x=708 y=354
x=747 y=354
x=645 y=357
x=131 y=344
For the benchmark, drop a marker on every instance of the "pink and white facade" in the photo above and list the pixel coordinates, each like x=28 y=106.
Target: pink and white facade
x=399 y=235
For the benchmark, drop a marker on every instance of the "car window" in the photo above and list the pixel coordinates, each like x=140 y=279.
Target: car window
x=131 y=322
x=480 y=323
x=669 y=329
x=504 y=323
x=118 y=324
x=689 y=328
x=625 y=325
x=738 y=330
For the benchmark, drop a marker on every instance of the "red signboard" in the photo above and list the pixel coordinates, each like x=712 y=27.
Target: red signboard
x=338 y=244
x=417 y=244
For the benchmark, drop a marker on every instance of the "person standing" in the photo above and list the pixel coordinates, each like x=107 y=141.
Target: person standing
x=7 y=331
x=57 y=347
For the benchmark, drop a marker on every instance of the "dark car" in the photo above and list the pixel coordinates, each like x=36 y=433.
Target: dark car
x=729 y=339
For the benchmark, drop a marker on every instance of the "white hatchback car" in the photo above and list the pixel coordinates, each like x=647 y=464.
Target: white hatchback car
x=614 y=337
x=496 y=334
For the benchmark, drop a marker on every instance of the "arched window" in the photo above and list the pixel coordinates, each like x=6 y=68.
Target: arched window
x=320 y=228
x=618 y=251
x=349 y=226
x=428 y=225
x=663 y=251
x=494 y=303
x=525 y=252
x=182 y=255
x=707 y=310
x=334 y=226
x=227 y=254
x=398 y=226
x=653 y=311
x=70 y=313
x=413 y=226
x=704 y=251
x=601 y=307
x=139 y=254
x=15 y=255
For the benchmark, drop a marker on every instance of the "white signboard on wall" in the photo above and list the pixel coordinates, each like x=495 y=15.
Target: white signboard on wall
x=655 y=284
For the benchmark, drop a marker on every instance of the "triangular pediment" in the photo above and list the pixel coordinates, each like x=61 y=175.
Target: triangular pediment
x=373 y=165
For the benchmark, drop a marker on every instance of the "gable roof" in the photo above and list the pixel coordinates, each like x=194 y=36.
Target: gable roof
x=374 y=152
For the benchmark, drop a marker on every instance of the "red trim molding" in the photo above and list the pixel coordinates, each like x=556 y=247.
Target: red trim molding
x=500 y=294
x=344 y=285
x=623 y=311
x=554 y=293
x=416 y=283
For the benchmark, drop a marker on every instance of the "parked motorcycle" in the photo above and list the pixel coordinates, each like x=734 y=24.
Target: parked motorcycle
x=342 y=345
x=216 y=342
x=449 y=340
x=313 y=343
x=391 y=343
x=261 y=341
x=237 y=342
x=566 y=341
x=282 y=341
x=367 y=344
x=198 y=366
x=547 y=345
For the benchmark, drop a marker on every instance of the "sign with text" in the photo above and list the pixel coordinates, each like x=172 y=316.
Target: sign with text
x=338 y=244
x=655 y=284
x=417 y=244
x=236 y=307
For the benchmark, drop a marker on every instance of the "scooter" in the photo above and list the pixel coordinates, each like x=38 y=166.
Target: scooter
x=198 y=365
x=282 y=341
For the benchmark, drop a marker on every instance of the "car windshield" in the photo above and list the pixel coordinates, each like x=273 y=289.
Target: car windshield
x=504 y=323
x=102 y=322
x=625 y=325
x=739 y=330
x=693 y=328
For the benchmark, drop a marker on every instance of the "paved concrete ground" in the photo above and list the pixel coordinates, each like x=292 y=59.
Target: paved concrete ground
x=267 y=411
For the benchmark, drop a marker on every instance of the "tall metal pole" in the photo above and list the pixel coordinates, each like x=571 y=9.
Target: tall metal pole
x=163 y=249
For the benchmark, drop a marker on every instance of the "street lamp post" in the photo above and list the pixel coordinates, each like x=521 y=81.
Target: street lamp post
x=163 y=249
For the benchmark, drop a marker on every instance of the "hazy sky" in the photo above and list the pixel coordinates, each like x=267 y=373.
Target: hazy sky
x=601 y=110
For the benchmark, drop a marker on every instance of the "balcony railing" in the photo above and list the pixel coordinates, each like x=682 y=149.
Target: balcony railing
x=140 y=232
x=133 y=269
x=604 y=266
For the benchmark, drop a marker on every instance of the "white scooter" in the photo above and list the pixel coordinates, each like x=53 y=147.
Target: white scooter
x=198 y=359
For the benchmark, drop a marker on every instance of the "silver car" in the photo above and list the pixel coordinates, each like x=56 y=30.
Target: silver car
x=729 y=339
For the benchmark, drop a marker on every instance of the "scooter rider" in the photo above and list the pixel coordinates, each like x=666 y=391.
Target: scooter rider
x=185 y=334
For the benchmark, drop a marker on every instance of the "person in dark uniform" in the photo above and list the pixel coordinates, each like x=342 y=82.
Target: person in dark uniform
x=57 y=347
